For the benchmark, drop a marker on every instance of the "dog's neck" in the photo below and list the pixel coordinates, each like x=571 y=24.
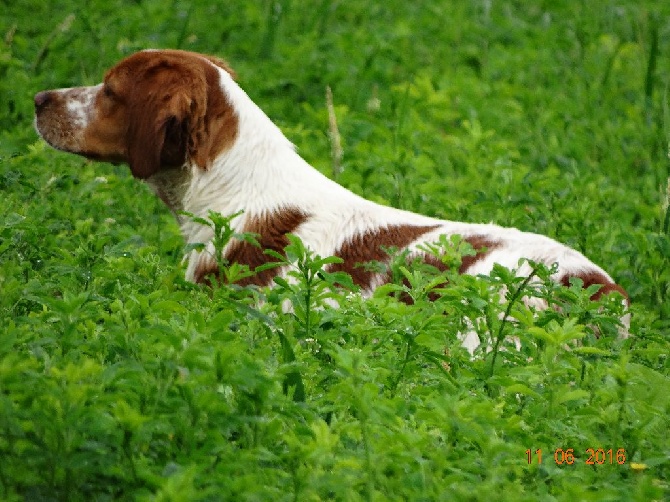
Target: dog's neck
x=259 y=174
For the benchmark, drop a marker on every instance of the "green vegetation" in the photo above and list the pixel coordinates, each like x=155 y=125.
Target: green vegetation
x=119 y=381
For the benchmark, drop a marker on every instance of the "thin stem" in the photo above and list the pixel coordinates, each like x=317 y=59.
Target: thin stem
x=408 y=352
x=515 y=297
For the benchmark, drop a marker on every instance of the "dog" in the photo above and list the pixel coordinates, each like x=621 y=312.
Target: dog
x=186 y=128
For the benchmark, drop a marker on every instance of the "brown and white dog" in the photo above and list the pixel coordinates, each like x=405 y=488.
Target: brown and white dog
x=186 y=128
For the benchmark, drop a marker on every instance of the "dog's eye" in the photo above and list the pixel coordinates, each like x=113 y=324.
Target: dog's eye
x=107 y=91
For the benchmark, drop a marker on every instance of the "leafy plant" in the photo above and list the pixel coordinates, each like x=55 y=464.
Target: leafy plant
x=119 y=380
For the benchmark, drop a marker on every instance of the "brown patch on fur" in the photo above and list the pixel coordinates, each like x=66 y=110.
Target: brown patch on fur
x=271 y=229
x=369 y=247
x=589 y=278
x=435 y=262
x=206 y=268
x=218 y=130
x=482 y=245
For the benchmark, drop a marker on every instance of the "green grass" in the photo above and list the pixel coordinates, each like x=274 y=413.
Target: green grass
x=119 y=381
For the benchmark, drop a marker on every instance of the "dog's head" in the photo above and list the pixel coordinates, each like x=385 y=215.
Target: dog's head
x=156 y=109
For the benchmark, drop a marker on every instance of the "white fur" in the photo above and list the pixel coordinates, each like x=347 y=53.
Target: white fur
x=81 y=106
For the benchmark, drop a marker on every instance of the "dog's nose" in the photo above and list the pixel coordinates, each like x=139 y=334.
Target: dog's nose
x=41 y=98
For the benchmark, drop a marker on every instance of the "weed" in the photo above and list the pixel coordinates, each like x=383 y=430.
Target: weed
x=119 y=380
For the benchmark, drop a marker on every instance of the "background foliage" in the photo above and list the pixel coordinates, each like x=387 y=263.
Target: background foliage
x=120 y=381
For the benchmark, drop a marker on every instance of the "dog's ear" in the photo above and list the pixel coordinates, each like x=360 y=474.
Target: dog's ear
x=217 y=129
x=169 y=104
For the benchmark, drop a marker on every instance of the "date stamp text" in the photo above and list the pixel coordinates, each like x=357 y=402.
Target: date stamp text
x=591 y=456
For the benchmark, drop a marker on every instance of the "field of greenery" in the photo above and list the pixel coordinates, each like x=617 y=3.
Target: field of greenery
x=120 y=381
